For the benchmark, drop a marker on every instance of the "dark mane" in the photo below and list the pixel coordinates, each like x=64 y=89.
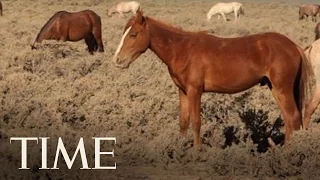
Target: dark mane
x=44 y=28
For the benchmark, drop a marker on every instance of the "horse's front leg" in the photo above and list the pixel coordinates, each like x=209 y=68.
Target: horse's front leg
x=194 y=104
x=224 y=17
x=121 y=15
x=235 y=16
x=184 y=119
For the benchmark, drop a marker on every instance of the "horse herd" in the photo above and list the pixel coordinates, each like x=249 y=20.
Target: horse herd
x=200 y=62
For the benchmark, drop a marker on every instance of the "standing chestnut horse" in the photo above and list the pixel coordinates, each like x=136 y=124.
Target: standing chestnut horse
x=66 y=26
x=199 y=62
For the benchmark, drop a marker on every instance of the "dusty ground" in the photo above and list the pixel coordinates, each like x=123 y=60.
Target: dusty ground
x=62 y=91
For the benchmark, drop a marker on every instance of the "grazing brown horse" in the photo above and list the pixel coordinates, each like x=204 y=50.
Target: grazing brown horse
x=309 y=10
x=199 y=62
x=66 y=26
x=1 y=10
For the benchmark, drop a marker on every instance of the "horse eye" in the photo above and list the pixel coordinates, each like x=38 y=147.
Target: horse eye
x=133 y=35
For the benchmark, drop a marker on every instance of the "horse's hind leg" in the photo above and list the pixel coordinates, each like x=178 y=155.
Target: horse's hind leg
x=283 y=91
x=289 y=110
x=311 y=107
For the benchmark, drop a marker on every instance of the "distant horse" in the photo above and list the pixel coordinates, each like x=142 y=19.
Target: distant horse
x=307 y=10
x=226 y=8
x=199 y=62
x=1 y=10
x=66 y=26
x=124 y=7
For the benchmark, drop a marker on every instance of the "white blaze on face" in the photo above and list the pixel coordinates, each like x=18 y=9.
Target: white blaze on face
x=121 y=42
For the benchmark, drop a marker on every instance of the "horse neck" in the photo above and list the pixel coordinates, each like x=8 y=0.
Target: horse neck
x=46 y=31
x=163 y=41
x=42 y=35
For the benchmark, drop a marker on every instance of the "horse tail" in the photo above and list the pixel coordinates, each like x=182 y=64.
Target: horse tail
x=305 y=81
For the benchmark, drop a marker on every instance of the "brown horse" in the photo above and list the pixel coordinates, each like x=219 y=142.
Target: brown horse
x=199 y=62
x=309 y=10
x=1 y=10
x=66 y=26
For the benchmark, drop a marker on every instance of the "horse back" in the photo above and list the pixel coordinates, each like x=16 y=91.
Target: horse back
x=82 y=23
x=259 y=48
x=249 y=58
x=83 y=18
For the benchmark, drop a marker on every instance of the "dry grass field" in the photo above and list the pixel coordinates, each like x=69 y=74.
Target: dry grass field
x=60 y=90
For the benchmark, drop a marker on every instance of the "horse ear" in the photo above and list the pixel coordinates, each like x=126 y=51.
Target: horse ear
x=139 y=18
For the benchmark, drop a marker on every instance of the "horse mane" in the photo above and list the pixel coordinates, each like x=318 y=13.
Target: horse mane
x=45 y=27
x=167 y=26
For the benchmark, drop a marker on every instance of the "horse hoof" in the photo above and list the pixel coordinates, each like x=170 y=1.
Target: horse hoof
x=198 y=148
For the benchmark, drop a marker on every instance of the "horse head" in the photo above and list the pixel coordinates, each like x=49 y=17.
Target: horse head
x=134 y=42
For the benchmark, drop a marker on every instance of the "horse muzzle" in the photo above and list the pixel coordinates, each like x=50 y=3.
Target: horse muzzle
x=122 y=63
x=33 y=46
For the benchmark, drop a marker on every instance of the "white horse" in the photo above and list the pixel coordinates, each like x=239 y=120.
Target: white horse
x=124 y=7
x=226 y=8
x=313 y=54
